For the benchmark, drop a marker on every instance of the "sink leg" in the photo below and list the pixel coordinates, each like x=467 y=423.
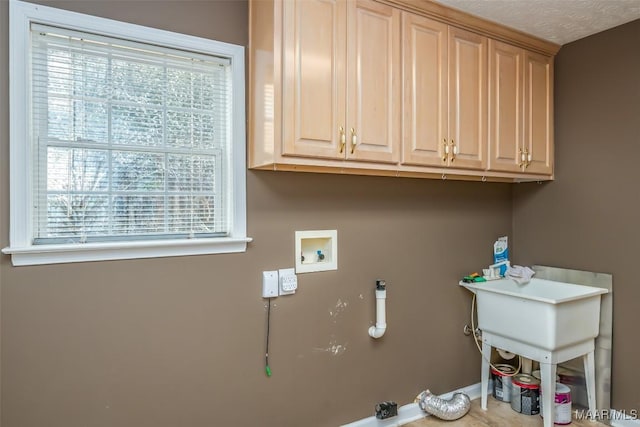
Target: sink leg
x=548 y=387
x=486 y=357
x=590 y=379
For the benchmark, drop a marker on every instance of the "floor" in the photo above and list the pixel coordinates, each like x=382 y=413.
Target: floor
x=498 y=414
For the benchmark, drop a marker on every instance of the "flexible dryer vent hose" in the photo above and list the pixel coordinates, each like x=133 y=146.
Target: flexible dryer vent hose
x=449 y=410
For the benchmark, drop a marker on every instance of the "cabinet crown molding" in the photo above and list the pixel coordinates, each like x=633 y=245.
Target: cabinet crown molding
x=461 y=19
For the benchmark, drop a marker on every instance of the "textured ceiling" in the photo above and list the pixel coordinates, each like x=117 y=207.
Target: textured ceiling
x=559 y=21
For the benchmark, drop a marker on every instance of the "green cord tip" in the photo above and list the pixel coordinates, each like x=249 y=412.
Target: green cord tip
x=268 y=370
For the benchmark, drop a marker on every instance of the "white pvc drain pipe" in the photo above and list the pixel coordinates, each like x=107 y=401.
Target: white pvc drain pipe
x=381 y=319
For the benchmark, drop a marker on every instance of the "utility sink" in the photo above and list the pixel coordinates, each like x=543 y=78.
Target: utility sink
x=546 y=321
x=542 y=313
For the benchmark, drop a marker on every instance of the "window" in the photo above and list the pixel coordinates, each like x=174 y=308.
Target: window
x=126 y=141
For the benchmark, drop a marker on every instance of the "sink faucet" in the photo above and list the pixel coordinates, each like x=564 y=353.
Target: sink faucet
x=501 y=263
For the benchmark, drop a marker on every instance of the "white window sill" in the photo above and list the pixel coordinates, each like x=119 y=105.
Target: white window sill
x=57 y=254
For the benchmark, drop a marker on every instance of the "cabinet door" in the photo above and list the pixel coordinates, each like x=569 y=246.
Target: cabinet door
x=538 y=109
x=425 y=90
x=506 y=91
x=374 y=81
x=468 y=97
x=314 y=77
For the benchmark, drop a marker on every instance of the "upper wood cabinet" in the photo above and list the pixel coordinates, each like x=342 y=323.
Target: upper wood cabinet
x=467 y=99
x=538 y=113
x=445 y=94
x=521 y=110
x=426 y=95
x=396 y=87
x=374 y=83
x=341 y=84
x=506 y=103
x=314 y=77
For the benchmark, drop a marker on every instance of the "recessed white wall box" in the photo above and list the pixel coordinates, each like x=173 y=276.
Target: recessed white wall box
x=316 y=250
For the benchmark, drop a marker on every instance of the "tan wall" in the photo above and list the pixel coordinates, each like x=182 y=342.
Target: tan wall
x=180 y=341
x=588 y=218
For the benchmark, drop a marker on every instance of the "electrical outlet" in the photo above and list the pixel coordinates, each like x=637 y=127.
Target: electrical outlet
x=288 y=281
x=269 y=284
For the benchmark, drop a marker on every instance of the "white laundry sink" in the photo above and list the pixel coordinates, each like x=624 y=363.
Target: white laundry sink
x=543 y=313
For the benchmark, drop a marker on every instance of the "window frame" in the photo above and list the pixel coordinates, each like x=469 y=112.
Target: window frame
x=21 y=247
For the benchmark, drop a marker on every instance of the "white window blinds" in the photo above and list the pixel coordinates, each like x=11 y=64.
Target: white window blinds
x=130 y=141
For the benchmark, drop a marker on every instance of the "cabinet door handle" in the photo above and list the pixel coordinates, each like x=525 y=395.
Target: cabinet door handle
x=343 y=139
x=526 y=158
x=454 y=150
x=521 y=162
x=354 y=140
x=446 y=150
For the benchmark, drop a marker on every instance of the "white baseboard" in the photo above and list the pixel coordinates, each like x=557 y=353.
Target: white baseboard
x=412 y=411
